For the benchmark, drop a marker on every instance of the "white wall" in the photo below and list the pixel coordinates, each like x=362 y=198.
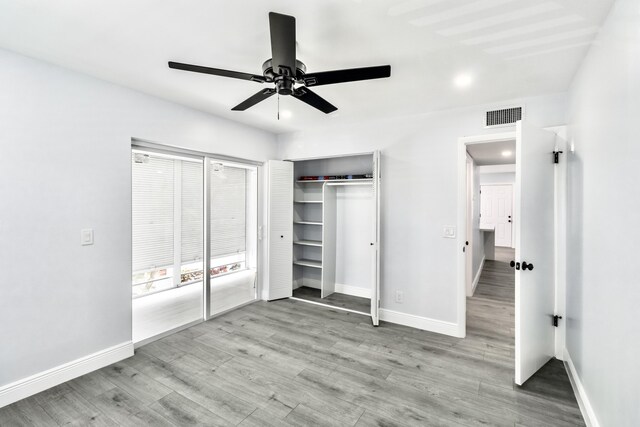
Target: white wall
x=419 y=194
x=65 y=165
x=603 y=285
x=498 y=178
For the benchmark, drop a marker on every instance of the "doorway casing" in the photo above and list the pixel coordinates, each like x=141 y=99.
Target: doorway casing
x=462 y=218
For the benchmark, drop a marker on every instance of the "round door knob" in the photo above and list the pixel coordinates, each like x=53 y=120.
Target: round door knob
x=527 y=266
x=512 y=263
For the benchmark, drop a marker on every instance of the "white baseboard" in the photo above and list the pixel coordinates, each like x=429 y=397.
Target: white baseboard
x=355 y=291
x=588 y=413
x=476 y=279
x=44 y=380
x=418 y=322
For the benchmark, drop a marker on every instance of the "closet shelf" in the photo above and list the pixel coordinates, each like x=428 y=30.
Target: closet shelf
x=317 y=243
x=307 y=222
x=308 y=201
x=308 y=263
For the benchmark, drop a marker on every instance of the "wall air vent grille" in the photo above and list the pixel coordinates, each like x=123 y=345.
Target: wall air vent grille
x=502 y=117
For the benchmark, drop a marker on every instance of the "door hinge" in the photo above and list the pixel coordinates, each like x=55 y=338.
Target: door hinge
x=556 y=318
x=556 y=156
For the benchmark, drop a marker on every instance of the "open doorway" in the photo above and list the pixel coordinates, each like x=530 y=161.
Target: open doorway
x=490 y=213
x=519 y=313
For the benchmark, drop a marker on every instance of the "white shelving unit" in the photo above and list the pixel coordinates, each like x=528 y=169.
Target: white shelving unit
x=308 y=223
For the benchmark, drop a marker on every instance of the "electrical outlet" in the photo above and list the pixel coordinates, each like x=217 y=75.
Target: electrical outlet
x=399 y=297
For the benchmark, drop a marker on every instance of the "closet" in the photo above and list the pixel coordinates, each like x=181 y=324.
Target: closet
x=323 y=227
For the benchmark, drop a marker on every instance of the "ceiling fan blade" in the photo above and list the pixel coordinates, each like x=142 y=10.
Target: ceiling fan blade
x=216 y=72
x=283 y=43
x=258 y=97
x=349 y=75
x=316 y=101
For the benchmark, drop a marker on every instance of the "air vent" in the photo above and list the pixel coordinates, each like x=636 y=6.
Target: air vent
x=503 y=117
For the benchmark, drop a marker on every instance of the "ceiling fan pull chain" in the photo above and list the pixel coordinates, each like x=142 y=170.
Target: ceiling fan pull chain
x=278 y=106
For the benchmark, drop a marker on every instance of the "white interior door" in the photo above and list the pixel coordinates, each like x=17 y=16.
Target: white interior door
x=534 y=247
x=375 y=243
x=496 y=203
x=279 y=229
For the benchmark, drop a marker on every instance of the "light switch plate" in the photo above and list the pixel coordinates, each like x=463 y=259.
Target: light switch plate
x=86 y=236
x=449 y=232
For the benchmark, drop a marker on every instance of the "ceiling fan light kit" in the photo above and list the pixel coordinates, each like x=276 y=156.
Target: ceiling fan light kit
x=288 y=74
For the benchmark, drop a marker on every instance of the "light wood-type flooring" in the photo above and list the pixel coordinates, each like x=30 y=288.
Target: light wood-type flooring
x=292 y=363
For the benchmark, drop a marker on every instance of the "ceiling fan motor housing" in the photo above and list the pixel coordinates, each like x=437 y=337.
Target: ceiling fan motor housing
x=283 y=79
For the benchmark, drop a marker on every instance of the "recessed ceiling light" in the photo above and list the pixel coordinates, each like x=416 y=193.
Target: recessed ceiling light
x=285 y=114
x=463 y=80
x=506 y=153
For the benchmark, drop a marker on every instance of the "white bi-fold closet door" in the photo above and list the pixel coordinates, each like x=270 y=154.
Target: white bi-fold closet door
x=324 y=232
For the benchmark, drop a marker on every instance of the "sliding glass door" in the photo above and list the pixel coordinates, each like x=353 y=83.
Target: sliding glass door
x=232 y=234
x=173 y=198
x=167 y=242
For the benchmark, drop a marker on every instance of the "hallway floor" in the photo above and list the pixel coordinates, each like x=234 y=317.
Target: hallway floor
x=293 y=363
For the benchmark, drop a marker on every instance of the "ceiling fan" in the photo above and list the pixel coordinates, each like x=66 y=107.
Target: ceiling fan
x=287 y=73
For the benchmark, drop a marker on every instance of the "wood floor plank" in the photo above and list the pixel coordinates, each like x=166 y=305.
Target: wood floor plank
x=184 y=412
x=118 y=405
x=32 y=411
x=135 y=383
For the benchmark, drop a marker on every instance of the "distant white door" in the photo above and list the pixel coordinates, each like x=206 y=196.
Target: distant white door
x=496 y=202
x=535 y=279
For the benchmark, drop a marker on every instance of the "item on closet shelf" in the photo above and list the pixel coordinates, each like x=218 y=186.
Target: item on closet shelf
x=334 y=177
x=317 y=178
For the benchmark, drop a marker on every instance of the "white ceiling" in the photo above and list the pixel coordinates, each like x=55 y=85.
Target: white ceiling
x=491 y=153
x=510 y=48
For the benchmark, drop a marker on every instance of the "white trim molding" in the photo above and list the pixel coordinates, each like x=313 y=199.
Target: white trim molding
x=424 y=323
x=588 y=413
x=41 y=381
x=476 y=279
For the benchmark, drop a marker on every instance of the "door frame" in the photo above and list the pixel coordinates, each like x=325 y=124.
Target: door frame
x=462 y=219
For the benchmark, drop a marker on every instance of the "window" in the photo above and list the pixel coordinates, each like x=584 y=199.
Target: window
x=167 y=212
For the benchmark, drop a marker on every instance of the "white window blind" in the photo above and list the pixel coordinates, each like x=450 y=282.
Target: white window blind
x=152 y=211
x=227 y=197
x=191 y=201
